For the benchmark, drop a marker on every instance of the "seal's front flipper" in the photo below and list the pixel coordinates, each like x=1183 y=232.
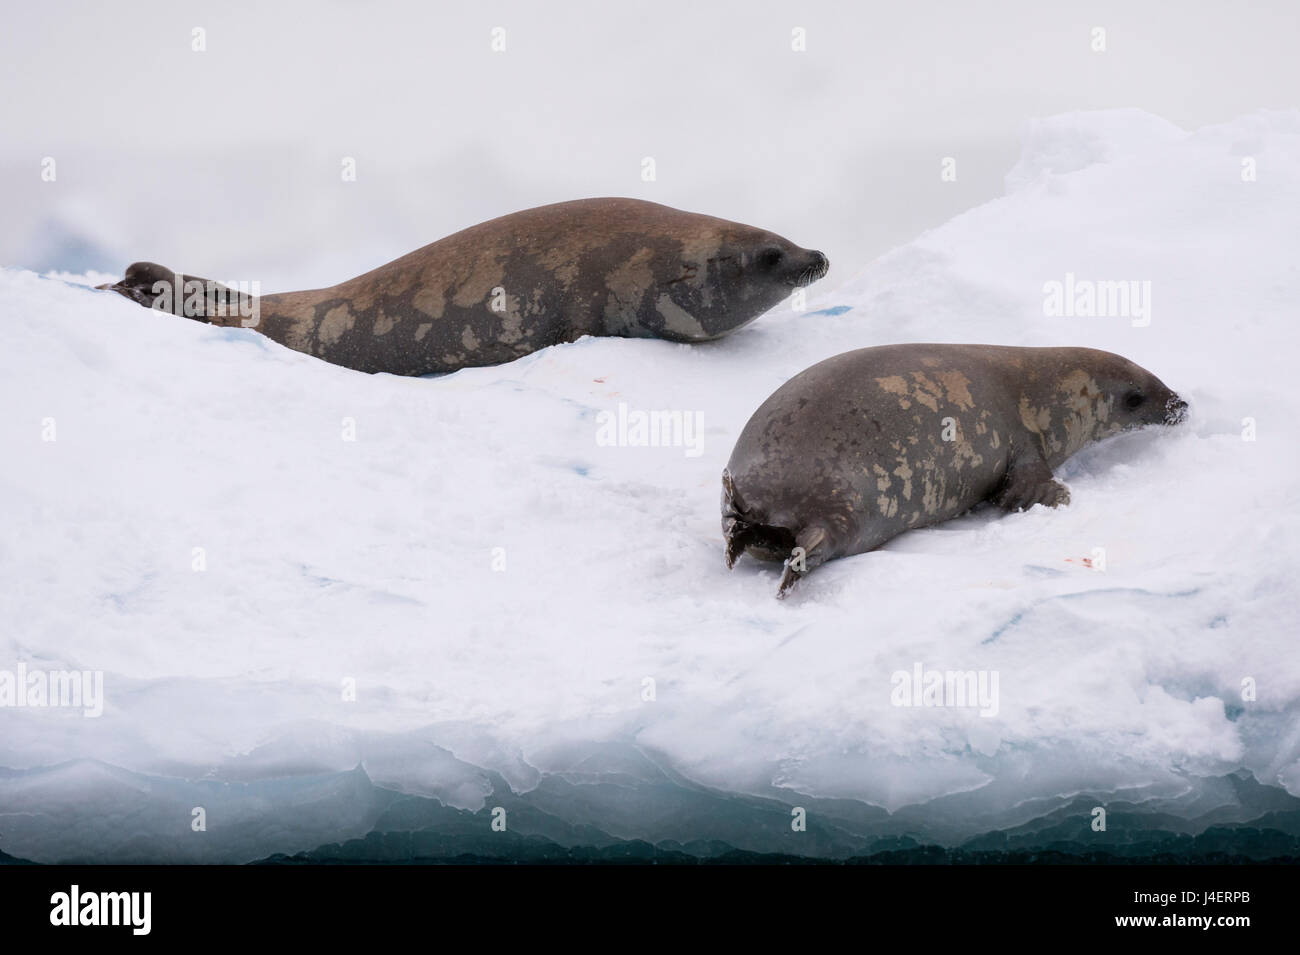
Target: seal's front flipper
x=809 y=551
x=1030 y=482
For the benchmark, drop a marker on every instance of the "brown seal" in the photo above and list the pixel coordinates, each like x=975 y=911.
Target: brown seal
x=861 y=447
x=504 y=288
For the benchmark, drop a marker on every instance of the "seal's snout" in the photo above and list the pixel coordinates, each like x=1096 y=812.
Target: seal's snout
x=1175 y=410
x=817 y=267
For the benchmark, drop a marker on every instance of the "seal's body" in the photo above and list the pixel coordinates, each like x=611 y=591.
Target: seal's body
x=863 y=446
x=504 y=288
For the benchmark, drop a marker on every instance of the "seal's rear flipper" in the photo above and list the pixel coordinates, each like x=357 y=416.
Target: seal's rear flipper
x=156 y=286
x=738 y=538
x=734 y=527
x=143 y=282
x=767 y=538
x=809 y=551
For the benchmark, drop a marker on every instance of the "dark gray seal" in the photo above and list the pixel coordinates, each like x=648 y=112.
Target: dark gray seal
x=863 y=446
x=504 y=288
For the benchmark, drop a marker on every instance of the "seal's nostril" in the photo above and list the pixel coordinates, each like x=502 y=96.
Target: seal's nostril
x=1175 y=410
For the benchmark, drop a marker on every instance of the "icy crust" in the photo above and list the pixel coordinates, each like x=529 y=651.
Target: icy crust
x=614 y=803
x=607 y=617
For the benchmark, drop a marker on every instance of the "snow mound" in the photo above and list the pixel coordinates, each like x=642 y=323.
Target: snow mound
x=1058 y=145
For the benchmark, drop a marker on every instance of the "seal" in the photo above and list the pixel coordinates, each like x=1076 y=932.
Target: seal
x=508 y=287
x=861 y=447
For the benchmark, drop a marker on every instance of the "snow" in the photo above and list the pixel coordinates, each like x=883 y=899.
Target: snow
x=376 y=560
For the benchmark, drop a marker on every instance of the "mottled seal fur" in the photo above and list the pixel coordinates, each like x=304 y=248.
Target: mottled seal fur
x=507 y=287
x=863 y=446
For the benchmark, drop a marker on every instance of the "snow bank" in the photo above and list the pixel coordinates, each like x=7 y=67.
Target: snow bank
x=509 y=596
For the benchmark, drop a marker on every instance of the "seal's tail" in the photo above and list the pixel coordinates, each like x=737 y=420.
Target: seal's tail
x=156 y=286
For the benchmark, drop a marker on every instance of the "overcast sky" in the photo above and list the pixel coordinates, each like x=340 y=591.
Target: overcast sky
x=227 y=162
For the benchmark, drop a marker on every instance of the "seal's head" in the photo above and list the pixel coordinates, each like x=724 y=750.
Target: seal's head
x=735 y=275
x=714 y=276
x=1075 y=396
x=781 y=262
x=1137 y=397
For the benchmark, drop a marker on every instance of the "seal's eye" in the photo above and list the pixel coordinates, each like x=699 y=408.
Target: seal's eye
x=769 y=258
x=1133 y=400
